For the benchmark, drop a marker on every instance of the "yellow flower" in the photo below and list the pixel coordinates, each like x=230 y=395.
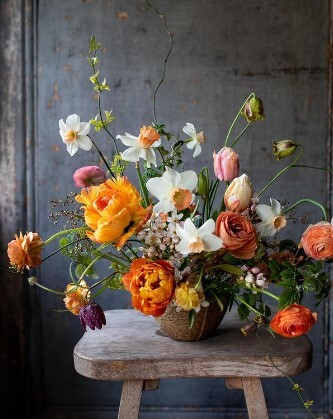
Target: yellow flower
x=113 y=211
x=188 y=298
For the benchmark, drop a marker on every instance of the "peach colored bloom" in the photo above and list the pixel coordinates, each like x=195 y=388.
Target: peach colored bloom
x=237 y=233
x=188 y=298
x=317 y=240
x=293 y=321
x=237 y=197
x=88 y=176
x=25 y=251
x=148 y=136
x=76 y=297
x=151 y=284
x=113 y=211
x=226 y=164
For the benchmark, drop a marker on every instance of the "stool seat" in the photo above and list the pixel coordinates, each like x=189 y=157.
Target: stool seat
x=132 y=349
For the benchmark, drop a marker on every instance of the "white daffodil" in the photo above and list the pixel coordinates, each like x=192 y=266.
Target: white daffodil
x=141 y=146
x=75 y=134
x=272 y=218
x=196 y=240
x=173 y=190
x=197 y=139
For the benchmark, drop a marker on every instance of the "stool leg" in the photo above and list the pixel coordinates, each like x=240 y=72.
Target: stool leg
x=254 y=397
x=130 y=399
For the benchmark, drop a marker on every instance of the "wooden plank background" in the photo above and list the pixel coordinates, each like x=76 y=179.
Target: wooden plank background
x=223 y=50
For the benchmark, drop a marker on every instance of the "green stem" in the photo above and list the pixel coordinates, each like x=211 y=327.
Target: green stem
x=49 y=289
x=92 y=263
x=104 y=125
x=282 y=171
x=103 y=158
x=248 y=305
x=240 y=135
x=165 y=59
x=63 y=232
x=311 y=201
x=234 y=121
x=285 y=375
x=63 y=247
x=313 y=167
x=262 y=291
x=142 y=185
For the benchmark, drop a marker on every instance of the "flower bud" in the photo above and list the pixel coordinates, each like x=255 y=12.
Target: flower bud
x=283 y=148
x=249 y=329
x=202 y=185
x=253 y=110
x=32 y=280
x=89 y=176
x=226 y=164
x=238 y=194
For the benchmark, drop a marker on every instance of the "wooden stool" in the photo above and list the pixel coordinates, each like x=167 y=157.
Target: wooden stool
x=132 y=349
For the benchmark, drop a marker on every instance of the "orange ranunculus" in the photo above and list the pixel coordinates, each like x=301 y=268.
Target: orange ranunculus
x=25 y=251
x=151 y=284
x=113 y=211
x=293 y=321
x=317 y=241
x=238 y=234
x=76 y=297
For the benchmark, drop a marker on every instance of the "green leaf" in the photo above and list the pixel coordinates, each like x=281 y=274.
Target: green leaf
x=230 y=269
x=243 y=311
x=288 y=297
x=191 y=318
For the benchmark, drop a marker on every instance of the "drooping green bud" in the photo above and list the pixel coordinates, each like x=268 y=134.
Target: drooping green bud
x=253 y=110
x=283 y=148
x=32 y=280
x=202 y=185
x=249 y=329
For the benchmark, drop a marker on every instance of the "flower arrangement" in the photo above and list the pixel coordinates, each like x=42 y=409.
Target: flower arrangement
x=180 y=239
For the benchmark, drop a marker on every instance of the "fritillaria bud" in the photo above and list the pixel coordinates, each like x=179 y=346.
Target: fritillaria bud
x=226 y=164
x=238 y=195
x=89 y=176
x=253 y=110
x=283 y=148
x=93 y=316
x=249 y=329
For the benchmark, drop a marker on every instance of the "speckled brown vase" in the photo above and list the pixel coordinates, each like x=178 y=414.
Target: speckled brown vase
x=176 y=324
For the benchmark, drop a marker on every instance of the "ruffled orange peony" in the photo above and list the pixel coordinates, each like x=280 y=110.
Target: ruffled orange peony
x=238 y=234
x=113 y=211
x=293 y=321
x=76 y=297
x=151 y=284
x=317 y=241
x=25 y=251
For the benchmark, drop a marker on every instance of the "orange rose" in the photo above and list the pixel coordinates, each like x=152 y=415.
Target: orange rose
x=76 y=297
x=293 y=321
x=25 y=251
x=151 y=284
x=113 y=211
x=317 y=241
x=238 y=234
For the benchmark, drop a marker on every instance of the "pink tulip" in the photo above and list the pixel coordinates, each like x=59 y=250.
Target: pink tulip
x=88 y=175
x=226 y=164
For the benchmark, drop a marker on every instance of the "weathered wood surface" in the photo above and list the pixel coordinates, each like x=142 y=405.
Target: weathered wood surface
x=130 y=399
x=131 y=347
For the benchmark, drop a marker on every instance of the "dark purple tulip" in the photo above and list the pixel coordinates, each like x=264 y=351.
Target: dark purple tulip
x=93 y=316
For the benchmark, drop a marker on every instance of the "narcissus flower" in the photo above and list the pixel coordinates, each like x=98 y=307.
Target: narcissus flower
x=25 y=251
x=77 y=296
x=75 y=134
x=92 y=316
x=317 y=240
x=272 y=219
x=173 y=190
x=141 y=146
x=189 y=298
x=196 y=240
x=293 y=321
x=151 y=284
x=88 y=176
x=197 y=139
x=237 y=197
x=113 y=211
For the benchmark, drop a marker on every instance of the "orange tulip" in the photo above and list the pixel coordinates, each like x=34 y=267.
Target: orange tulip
x=151 y=284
